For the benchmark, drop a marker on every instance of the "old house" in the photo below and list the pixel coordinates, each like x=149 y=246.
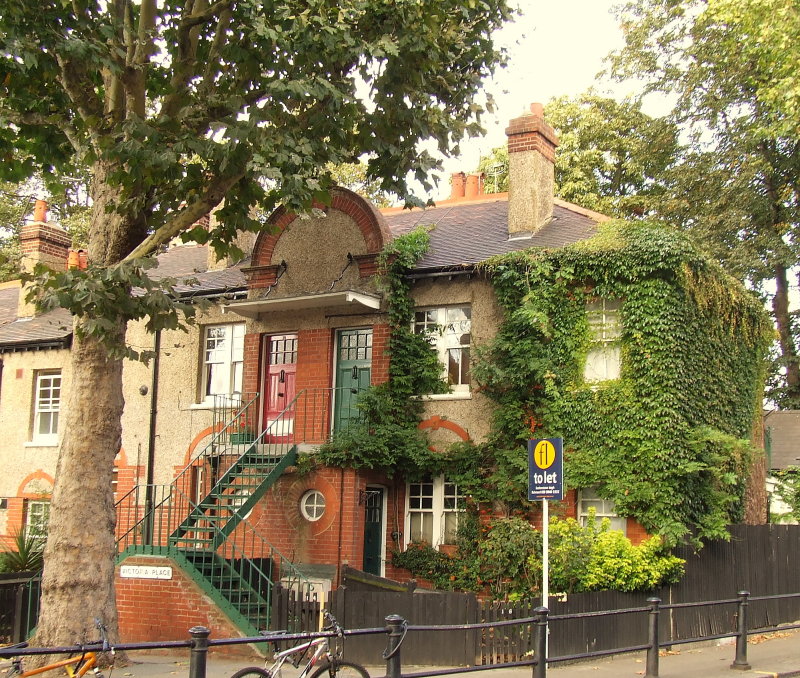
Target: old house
x=214 y=500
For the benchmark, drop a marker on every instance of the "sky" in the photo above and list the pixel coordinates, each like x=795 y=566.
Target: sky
x=555 y=47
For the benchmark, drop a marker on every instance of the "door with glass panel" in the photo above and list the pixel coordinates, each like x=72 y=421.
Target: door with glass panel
x=373 y=530
x=353 y=373
x=280 y=386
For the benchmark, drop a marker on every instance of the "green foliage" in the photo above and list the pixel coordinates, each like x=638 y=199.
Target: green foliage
x=693 y=346
x=788 y=491
x=506 y=557
x=505 y=552
x=100 y=296
x=459 y=571
x=495 y=167
x=353 y=175
x=732 y=73
x=387 y=437
x=611 y=156
x=596 y=558
x=25 y=555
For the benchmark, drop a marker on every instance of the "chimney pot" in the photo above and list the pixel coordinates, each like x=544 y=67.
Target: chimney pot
x=40 y=211
x=537 y=110
x=474 y=185
x=457 y=185
x=73 y=259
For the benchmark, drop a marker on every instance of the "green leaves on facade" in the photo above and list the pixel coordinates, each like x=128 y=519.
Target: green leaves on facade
x=388 y=437
x=668 y=440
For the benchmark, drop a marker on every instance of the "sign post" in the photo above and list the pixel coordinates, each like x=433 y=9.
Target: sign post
x=545 y=482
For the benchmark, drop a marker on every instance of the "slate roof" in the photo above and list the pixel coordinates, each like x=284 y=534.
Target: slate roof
x=8 y=304
x=783 y=427
x=54 y=329
x=466 y=233
x=49 y=330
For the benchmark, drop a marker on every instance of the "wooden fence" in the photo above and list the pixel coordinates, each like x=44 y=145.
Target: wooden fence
x=761 y=559
x=19 y=605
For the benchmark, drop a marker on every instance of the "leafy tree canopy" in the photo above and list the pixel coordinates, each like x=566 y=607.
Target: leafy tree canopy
x=175 y=107
x=738 y=186
x=611 y=156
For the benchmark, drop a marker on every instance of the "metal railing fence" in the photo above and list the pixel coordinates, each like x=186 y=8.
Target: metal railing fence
x=397 y=628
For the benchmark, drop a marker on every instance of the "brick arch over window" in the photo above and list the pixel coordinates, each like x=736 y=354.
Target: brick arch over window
x=371 y=223
x=34 y=485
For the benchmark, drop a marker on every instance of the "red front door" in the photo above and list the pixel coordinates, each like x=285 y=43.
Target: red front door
x=279 y=386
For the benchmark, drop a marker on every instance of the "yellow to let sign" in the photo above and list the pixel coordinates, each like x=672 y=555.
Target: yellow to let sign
x=544 y=454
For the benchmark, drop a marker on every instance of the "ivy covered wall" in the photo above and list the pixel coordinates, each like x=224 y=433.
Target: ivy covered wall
x=668 y=440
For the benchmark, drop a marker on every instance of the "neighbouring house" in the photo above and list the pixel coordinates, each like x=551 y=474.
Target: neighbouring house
x=782 y=445
x=549 y=305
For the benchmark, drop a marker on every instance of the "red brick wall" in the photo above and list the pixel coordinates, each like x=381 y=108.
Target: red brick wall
x=165 y=609
x=251 y=380
x=329 y=540
x=380 y=354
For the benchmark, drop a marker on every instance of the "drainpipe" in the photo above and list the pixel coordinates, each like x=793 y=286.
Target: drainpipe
x=151 y=445
x=341 y=518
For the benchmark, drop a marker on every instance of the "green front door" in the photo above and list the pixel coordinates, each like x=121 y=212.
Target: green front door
x=373 y=530
x=353 y=372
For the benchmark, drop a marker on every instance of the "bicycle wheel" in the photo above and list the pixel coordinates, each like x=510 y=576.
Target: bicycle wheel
x=252 y=672
x=341 y=669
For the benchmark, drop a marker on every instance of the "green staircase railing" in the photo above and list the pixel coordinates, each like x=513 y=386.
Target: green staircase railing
x=233 y=496
x=209 y=537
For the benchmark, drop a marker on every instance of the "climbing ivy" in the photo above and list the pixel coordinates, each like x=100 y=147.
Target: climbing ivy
x=668 y=439
x=387 y=436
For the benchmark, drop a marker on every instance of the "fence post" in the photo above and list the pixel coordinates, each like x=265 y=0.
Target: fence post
x=395 y=628
x=17 y=633
x=540 y=642
x=199 y=652
x=740 y=662
x=652 y=638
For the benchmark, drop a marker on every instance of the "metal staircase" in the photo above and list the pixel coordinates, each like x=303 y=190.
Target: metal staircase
x=232 y=497
x=199 y=520
x=210 y=538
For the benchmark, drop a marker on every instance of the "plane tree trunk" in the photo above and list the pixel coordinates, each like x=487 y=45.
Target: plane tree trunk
x=78 y=579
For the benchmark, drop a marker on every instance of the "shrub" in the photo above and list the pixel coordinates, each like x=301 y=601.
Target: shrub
x=26 y=554
x=596 y=558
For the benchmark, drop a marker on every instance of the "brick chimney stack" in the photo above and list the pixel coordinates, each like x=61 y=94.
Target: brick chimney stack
x=531 y=172
x=41 y=242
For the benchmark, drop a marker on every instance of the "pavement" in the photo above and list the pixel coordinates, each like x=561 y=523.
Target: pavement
x=775 y=654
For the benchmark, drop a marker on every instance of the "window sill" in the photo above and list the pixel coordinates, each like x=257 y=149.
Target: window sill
x=456 y=395
x=40 y=443
x=201 y=406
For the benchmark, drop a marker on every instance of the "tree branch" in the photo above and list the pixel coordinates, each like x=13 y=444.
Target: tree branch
x=185 y=60
x=77 y=85
x=216 y=47
x=209 y=13
x=184 y=220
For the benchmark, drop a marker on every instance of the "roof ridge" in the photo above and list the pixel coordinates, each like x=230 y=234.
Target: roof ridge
x=583 y=211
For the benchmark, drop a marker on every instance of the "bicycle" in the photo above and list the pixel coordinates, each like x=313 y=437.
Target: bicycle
x=332 y=663
x=85 y=662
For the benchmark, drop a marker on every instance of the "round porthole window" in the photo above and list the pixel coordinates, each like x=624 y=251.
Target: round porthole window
x=312 y=505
